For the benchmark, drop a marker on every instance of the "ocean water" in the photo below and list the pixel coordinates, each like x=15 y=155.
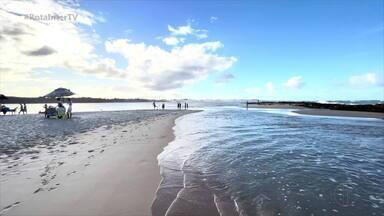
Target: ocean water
x=263 y=162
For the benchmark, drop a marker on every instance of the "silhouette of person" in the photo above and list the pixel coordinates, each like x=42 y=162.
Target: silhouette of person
x=69 y=110
x=154 y=105
x=45 y=110
x=21 y=109
x=25 y=109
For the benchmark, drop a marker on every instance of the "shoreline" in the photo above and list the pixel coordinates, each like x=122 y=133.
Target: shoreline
x=340 y=113
x=378 y=107
x=321 y=112
x=111 y=170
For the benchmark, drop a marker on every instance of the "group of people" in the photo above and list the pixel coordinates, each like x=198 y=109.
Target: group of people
x=179 y=105
x=155 y=106
x=59 y=111
x=23 y=109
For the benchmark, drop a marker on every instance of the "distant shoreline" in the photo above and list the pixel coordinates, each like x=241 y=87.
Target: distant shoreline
x=315 y=105
x=340 y=113
x=34 y=100
x=319 y=109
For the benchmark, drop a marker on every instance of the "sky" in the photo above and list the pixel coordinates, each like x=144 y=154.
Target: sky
x=216 y=49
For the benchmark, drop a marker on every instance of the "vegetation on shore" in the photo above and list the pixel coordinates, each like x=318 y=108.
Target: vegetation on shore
x=332 y=106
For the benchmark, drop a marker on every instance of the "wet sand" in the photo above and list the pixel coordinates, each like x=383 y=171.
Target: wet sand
x=110 y=170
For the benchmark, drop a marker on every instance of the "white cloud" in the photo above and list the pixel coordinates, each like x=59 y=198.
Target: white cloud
x=364 y=80
x=295 y=82
x=213 y=19
x=181 y=30
x=201 y=34
x=269 y=86
x=27 y=44
x=173 y=41
x=188 y=30
x=159 y=69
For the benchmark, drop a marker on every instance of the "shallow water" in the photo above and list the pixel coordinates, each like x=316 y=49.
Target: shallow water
x=237 y=162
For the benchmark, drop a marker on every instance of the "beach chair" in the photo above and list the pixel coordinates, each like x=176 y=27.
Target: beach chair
x=51 y=111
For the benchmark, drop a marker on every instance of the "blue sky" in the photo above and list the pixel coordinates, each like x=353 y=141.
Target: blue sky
x=278 y=50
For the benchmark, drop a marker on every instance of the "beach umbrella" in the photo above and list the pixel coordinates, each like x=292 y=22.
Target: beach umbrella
x=59 y=92
x=3 y=97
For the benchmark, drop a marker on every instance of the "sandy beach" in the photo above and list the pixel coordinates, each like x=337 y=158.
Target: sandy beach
x=105 y=170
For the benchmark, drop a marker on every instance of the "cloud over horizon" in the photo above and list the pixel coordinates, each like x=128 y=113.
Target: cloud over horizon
x=160 y=69
x=27 y=45
x=295 y=82
x=37 y=43
x=366 y=80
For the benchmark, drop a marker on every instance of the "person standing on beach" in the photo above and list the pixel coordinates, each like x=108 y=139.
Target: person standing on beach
x=45 y=110
x=163 y=106
x=25 y=109
x=154 y=105
x=185 y=105
x=21 y=109
x=69 y=110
